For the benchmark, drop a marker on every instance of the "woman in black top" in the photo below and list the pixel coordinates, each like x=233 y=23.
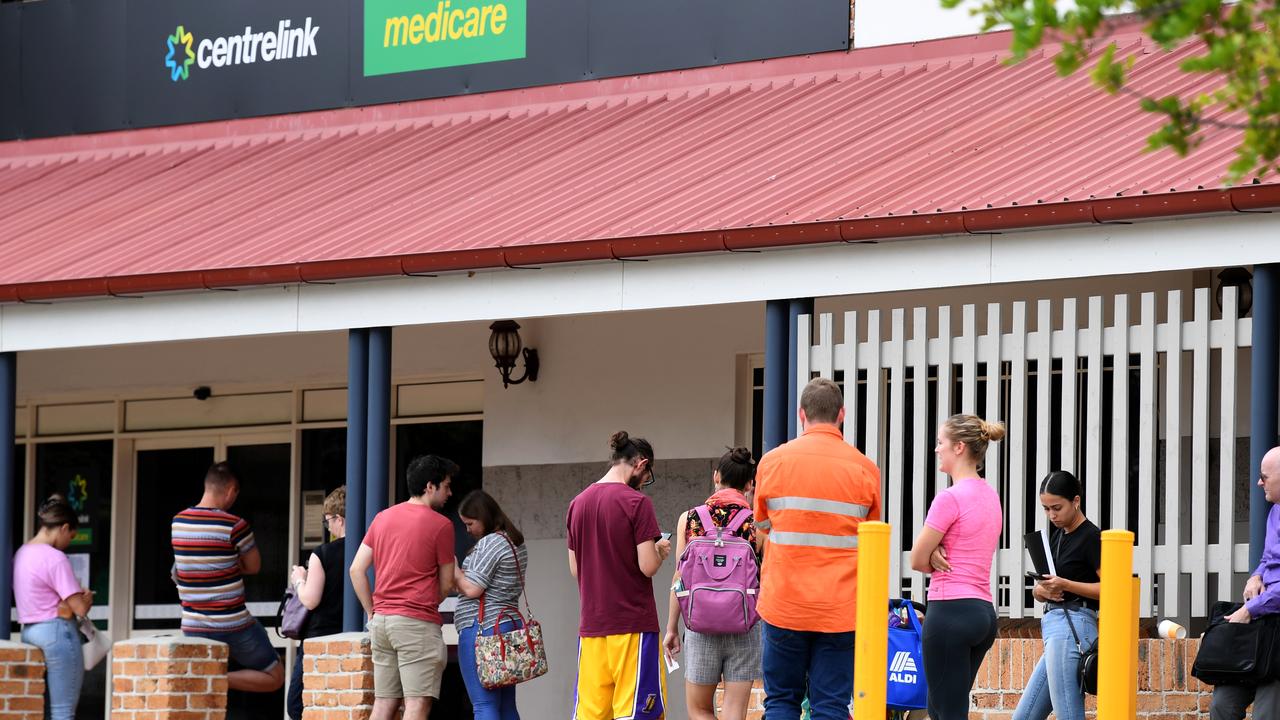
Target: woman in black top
x=319 y=588
x=1070 y=622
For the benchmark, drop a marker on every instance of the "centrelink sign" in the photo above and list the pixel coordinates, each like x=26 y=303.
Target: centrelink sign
x=144 y=63
x=284 y=42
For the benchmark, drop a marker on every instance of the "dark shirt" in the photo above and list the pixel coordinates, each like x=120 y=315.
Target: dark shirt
x=606 y=522
x=1077 y=555
x=326 y=619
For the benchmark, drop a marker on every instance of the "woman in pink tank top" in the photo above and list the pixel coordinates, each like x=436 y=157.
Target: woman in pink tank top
x=959 y=539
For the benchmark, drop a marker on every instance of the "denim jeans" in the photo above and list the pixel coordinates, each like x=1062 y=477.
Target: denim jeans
x=293 y=701
x=1055 y=683
x=64 y=664
x=486 y=704
x=796 y=662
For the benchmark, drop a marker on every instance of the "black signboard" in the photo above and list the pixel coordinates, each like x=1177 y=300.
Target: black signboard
x=75 y=66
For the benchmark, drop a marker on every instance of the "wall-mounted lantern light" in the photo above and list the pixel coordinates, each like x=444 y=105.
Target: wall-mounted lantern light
x=1242 y=281
x=505 y=347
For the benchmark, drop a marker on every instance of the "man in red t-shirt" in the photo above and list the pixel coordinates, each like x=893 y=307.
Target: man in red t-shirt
x=615 y=549
x=410 y=547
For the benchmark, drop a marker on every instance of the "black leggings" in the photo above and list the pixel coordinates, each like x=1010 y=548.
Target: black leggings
x=957 y=636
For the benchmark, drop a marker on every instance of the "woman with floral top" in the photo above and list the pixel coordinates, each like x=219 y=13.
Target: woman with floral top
x=710 y=658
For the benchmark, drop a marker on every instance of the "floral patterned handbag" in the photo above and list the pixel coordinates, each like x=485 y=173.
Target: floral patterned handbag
x=515 y=656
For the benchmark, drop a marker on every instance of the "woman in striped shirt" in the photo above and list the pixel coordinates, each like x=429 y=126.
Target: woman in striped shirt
x=493 y=572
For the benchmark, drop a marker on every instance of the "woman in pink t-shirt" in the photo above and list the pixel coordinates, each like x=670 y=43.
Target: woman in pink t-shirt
x=47 y=594
x=960 y=537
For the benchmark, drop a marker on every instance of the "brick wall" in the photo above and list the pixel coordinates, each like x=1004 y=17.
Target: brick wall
x=169 y=678
x=1166 y=690
x=21 y=681
x=337 y=677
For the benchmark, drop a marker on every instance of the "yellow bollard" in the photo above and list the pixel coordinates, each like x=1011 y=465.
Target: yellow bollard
x=1132 y=677
x=1115 y=630
x=871 y=645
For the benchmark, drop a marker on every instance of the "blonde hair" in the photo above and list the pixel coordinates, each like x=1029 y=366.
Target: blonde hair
x=975 y=433
x=335 y=503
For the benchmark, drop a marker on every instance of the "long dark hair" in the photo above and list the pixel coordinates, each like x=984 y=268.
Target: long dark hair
x=737 y=469
x=481 y=507
x=56 y=512
x=1063 y=484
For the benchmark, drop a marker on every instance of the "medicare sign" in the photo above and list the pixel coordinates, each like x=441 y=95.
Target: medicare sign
x=143 y=63
x=412 y=35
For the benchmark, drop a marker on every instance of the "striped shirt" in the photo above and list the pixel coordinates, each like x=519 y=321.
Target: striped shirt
x=491 y=565
x=207 y=545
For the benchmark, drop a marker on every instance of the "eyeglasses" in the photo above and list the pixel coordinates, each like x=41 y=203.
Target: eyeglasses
x=652 y=478
x=325 y=521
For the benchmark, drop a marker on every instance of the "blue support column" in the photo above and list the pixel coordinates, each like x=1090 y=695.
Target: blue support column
x=378 y=462
x=795 y=309
x=775 y=374
x=357 y=415
x=1263 y=396
x=9 y=495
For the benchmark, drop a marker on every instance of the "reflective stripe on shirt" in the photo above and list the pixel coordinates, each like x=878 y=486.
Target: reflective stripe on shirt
x=818 y=505
x=840 y=542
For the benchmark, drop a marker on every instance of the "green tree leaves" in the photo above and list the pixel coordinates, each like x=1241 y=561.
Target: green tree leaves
x=1237 y=44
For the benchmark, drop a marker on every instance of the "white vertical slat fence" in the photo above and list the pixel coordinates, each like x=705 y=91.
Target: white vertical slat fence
x=1098 y=392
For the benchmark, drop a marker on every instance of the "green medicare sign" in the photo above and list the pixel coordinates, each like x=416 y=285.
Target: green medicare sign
x=409 y=35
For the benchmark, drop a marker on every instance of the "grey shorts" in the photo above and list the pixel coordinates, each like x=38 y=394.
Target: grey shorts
x=737 y=658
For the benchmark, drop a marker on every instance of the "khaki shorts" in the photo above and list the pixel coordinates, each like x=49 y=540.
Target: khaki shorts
x=409 y=657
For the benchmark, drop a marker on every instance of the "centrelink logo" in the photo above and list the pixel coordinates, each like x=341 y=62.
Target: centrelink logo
x=903 y=668
x=284 y=43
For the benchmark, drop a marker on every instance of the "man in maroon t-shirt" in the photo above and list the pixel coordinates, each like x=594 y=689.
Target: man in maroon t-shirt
x=615 y=548
x=410 y=546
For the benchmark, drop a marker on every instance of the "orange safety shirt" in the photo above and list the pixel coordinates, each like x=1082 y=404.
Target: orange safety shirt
x=811 y=495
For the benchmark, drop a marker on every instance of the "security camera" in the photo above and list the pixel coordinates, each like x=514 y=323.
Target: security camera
x=202 y=393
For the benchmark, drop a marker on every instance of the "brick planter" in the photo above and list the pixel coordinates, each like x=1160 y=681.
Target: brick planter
x=21 y=681
x=337 y=677
x=169 y=678
x=1166 y=690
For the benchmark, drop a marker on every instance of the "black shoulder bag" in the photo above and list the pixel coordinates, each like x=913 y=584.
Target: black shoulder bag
x=1236 y=653
x=1087 y=671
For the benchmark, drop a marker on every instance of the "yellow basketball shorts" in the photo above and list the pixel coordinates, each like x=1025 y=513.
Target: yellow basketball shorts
x=620 y=677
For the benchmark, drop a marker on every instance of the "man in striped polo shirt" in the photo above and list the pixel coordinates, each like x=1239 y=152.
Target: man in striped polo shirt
x=213 y=550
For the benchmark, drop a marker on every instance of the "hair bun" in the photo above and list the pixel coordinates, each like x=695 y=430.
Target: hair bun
x=619 y=440
x=993 y=431
x=741 y=455
x=52 y=500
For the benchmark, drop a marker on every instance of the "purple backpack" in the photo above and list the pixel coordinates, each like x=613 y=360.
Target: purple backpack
x=720 y=578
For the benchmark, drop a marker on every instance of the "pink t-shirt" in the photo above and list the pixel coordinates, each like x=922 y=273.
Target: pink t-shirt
x=969 y=516
x=42 y=578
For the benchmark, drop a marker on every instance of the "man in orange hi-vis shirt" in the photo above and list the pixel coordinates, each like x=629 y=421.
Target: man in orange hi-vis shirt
x=811 y=495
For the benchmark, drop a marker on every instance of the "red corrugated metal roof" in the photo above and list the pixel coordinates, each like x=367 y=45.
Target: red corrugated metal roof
x=909 y=140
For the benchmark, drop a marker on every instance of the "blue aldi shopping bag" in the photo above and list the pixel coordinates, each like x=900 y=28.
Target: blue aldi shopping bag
x=906 y=688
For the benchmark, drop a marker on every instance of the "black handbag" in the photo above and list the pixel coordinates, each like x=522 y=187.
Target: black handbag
x=1087 y=671
x=1236 y=653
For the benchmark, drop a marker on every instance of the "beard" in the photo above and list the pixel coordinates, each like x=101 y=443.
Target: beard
x=634 y=482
